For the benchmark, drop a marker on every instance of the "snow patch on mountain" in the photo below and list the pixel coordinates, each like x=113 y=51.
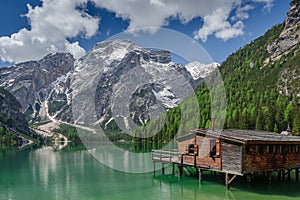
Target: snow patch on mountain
x=200 y=70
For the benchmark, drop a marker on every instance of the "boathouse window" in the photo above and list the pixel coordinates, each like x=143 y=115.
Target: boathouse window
x=290 y=149
x=280 y=149
x=213 y=148
x=261 y=149
x=297 y=148
x=268 y=149
x=191 y=149
x=274 y=148
x=293 y=149
x=247 y=149
x=256 y=148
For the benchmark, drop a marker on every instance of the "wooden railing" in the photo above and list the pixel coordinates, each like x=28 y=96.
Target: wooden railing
x=166 y=155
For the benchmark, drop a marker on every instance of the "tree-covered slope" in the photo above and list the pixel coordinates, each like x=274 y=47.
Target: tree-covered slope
x=12 y=119
x=261 y=81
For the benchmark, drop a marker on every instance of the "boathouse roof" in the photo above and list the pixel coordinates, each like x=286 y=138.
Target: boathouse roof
x=243 y=136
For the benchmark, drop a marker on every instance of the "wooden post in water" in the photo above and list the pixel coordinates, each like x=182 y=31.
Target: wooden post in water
x=289 y=174
x=154 y=167
x=163 y=168
x=173 y=169
x=297 y=174
x=179 y=170
x=269 y=175
x=200 y=175
x=227 y=181
x=279 y=175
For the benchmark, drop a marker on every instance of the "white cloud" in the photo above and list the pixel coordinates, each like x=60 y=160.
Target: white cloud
x=51 y=25
x=268 y=3
x=242 y=12
x=216 y=14
x=217 y=23
x=56 y=21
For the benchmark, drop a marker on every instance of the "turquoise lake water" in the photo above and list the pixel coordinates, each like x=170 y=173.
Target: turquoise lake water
x=45 y=173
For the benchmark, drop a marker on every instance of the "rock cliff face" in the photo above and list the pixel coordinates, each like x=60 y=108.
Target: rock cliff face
x=30 y=82
x=11 y=113
x=46 y=88
x=137 y=75
x=290 y=36
x=285 y=51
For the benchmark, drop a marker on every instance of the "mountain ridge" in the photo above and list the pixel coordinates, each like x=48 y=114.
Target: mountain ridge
x=46 y=87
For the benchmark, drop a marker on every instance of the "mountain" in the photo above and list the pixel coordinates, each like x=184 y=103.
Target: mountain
x=288 y=43
x=262 y=83
x=147 y=78
x=46 y=88
x=32 y=82
x=200 y=70
x=11 y=116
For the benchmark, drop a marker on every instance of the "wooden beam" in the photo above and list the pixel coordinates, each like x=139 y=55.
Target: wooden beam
x=232 y=178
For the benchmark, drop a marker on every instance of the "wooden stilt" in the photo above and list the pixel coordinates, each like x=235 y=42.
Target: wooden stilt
x=154 y=167
x=265 y=174
x=279 y=175
x=269 y=174
x=249 y=178
x=297 y=174
x=173 y=169
x=163 y=168
x=289 y=174
x=283 y=175
x=179 y=170
x=228 y=180
x=200 y=175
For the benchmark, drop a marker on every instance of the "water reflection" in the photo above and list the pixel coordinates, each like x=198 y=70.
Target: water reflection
x=46 y=173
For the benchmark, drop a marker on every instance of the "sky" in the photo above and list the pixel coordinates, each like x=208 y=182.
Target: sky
x=29 y=30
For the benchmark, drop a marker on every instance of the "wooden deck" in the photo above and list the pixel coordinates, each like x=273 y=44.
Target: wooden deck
x=175 y=158
x=166 y=156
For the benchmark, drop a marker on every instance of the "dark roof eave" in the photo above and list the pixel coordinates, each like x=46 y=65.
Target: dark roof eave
x=217 y=135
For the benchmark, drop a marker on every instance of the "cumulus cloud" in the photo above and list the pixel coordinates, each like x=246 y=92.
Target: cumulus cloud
x=57 y=21
x=51 y=26
x=216 y=15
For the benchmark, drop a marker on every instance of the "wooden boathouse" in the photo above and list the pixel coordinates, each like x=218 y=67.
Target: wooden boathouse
x=234 y=153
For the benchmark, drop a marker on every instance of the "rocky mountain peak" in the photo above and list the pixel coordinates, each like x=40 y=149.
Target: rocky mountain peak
x=47 y=88
x=29 y=81
x=290 y=36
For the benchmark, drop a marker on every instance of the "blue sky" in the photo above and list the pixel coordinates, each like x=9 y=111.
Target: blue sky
x=32 y=29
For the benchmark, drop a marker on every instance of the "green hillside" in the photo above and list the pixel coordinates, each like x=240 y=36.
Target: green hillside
x=252 y=91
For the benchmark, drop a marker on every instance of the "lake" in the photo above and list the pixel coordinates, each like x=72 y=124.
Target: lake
x=73 y=173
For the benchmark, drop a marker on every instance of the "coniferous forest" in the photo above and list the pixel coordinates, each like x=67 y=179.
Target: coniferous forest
x=254 y=100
